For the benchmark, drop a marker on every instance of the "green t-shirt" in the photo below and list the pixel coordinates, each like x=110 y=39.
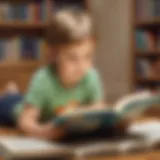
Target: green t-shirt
x=48 y=94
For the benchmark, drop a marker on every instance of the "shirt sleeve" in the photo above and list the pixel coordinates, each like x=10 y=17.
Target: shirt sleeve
x=36 y=92
x=94 y=87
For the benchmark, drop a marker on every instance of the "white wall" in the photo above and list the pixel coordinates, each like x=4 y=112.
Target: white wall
x=113 y=22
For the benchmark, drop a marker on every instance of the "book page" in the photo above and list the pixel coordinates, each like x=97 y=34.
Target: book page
x=27 y=144
x=134 y=105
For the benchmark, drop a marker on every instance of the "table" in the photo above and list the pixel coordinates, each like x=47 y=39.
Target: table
x=152 y=155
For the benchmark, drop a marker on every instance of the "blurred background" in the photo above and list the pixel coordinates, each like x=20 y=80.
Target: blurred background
x=127 y=51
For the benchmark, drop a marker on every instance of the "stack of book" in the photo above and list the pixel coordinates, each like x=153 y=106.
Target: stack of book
x=18 y=48
x=147 y=9
x=31 y=12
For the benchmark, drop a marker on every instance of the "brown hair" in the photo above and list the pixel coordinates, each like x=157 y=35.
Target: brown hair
x=68 y=26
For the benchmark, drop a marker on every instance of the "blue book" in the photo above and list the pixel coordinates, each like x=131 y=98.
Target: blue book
x=22 y=10
x=2 y=53
x=29 y=48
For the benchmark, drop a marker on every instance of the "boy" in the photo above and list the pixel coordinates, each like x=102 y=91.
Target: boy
x=68 y=80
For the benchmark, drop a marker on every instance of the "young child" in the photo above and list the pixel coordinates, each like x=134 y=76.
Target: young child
x=68 y=80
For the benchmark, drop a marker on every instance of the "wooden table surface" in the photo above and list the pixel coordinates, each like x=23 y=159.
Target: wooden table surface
x=152 y=155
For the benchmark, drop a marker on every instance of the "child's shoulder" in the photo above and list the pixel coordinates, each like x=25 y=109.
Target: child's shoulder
x=91 y=76
x=41 y=74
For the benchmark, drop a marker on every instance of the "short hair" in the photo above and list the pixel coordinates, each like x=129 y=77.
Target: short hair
x=69 y=26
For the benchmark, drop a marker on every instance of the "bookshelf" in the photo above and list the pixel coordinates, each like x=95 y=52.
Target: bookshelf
x=22 y=30
x=146 y=45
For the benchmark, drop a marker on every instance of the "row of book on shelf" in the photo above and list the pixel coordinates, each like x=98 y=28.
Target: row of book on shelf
x=32 y=11
x=29 y=12
x=18 y=48
x=148 y=67
x=147 y=9
x=147 y=41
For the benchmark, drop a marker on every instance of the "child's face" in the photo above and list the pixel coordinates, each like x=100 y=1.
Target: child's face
x=74 y=61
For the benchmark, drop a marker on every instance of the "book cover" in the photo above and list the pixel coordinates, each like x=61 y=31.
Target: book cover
x=126 y=108
x=140 y=40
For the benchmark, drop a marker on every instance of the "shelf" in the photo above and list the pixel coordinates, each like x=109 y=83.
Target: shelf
x=148 y=23
x=22 y=25
x=20 y=64
x=147 y=54
x=148 y=80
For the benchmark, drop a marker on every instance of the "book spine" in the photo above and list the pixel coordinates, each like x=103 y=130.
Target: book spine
x=49 y=9
x=143 y=8
x=10 y=12
x=37 y=12
x=16 y=12
x=31 y=12
x=150 y=42
x=40 y=48
x=14 y=46
x=22 y=54
x=8 y=49
x=140 y=40
x=2 y=12
x=143 y=68
x=2 y=54
x=156 y=8
x=43 y=11
x=22 y=12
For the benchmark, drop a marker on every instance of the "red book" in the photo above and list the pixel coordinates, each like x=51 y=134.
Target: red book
x=49 y=8
x=151 y=42
x=37 y=12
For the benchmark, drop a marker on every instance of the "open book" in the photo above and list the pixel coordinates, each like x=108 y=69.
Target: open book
x=128 y=107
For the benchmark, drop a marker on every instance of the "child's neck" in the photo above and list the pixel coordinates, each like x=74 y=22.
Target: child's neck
x=63 y=80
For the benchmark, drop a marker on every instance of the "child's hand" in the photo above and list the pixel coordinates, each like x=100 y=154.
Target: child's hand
x=49 y=132
x=71 y=107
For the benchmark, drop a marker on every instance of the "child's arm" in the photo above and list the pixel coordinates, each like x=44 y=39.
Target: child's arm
x=28 y=123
